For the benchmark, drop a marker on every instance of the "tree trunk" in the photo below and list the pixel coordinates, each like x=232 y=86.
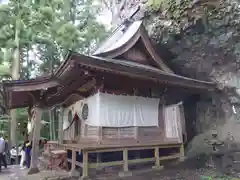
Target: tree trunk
x=15 y=76
x=35 y=142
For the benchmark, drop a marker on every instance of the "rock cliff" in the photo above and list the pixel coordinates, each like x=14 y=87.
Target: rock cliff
x=202 y=41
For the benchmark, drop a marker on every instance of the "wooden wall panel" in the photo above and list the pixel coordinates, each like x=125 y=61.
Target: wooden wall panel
x=110 y=132
x=92 y=131
x=150 y=132
x=127 y=132
x=135 y=55
x=68 y=134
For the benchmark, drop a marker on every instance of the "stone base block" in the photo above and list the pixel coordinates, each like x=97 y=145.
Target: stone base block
x=84 y=178
x=125 y=174
x=74 y=173
x=157 y=167
x=181 y=159
x=33 y=171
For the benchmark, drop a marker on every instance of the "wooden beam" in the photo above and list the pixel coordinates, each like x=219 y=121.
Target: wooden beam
x=132 y=161
x=110 y=66
x=147 y=43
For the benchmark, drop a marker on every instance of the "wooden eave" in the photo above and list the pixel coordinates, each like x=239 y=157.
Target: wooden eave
x=65 y=79
x=139 y=72
x=25 y=88
x=142 y=34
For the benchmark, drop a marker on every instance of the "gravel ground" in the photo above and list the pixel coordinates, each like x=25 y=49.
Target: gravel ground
x=191 y=169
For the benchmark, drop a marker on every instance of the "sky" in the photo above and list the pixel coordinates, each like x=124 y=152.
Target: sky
x=3 y=1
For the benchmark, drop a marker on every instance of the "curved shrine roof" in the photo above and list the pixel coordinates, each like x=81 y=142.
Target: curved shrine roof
x=119 y=38
x=108 y=59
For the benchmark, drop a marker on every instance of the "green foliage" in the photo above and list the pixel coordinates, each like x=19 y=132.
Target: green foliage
x=184 y=9
x=51 y=28
x=47 y=30
x=4 y=70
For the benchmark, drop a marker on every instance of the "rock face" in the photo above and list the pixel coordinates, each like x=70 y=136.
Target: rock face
x=203 y=42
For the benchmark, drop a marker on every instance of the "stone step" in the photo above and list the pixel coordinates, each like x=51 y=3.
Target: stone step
x=236 y=167
x=236 y=157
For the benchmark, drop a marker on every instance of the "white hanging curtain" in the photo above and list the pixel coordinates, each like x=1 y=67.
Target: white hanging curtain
x=29 y=127
x=109 y=110
x=173 y=128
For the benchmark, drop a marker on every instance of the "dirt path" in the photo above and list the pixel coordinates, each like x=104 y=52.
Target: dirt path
x=193 y=169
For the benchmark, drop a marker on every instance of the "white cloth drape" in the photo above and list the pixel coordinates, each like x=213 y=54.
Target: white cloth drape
x=29 y=127
x=23 y=158
x=65 y=118
x=109 y=110
x=172 y=120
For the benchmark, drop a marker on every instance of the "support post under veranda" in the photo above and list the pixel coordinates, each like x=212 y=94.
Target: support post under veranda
x=157 y=159
x=182 y=156
x=85 y=166
x=73 y=171
x=35 y=141
x=125 y=172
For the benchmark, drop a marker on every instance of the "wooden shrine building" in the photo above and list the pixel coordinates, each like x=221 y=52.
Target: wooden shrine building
x=121 y=98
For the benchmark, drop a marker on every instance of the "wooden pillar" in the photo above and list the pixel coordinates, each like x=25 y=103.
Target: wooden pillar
x=73 y=171
x=136 y=133
x=157 y=159
x=100 y=134
x=35 y=141
x=60 y=126
x=125 y=172
x=85 y=165
x=125 y=160
x=99 y=160
x=182 y=157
